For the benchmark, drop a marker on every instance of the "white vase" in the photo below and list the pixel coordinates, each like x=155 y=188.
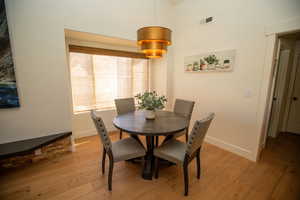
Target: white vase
x=150 y=114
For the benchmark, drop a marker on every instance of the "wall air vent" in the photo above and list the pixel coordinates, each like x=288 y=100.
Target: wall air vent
x=206 y=20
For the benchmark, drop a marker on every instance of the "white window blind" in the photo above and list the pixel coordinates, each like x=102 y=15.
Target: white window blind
x=97 y=79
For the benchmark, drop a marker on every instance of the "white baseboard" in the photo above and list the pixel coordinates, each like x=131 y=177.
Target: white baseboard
x=212 y=140
x=85 y=133
x=73 y=147
x=230 y=147
x=89 y=132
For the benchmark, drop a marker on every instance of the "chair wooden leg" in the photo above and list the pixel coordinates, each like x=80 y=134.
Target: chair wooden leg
x=187 y=134
x=111 y=167
x=186 y=178
x=103 y=160
x=121 y=133
x=156 y=167
x=186 y=137
x=167 y=138
x=198 y=164
x=156 y=141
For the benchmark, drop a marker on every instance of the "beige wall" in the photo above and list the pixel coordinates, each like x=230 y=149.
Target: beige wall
x=38 y=42
x=235 y=97
x=162 y=76
x=238 y=98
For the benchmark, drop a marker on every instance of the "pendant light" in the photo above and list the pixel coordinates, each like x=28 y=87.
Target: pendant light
x=154 y=40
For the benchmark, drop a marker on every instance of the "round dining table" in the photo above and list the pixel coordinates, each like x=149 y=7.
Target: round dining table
x=165 y=124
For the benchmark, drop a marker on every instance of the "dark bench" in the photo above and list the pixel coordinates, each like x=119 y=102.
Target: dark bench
x=23 y=147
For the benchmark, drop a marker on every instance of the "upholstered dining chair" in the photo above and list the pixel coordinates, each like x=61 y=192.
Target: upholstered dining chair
x=183 y=153
x=120 y=150
x=184 y=108
x=123 y=106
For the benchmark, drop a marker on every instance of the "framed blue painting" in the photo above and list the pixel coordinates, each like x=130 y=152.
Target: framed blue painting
x=8 y=87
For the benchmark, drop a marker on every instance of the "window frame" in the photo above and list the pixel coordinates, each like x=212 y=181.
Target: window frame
x=104 y=52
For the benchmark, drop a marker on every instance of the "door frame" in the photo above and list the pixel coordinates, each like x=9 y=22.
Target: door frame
x=272 y=32
x=272 y=58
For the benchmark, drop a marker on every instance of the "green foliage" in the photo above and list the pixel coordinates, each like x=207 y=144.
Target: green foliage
x=151 y=101
x=211 y=59
x=202 y=62
x=195 y=66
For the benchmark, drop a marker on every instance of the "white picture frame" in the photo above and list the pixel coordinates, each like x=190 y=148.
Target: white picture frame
x=219 y=61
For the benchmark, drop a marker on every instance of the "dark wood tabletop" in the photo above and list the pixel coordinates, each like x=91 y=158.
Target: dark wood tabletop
x=165 y=123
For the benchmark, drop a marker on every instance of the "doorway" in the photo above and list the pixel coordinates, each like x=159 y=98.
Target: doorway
x=285 y=101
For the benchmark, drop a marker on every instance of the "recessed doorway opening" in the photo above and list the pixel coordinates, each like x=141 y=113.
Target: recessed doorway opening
x=283 y=124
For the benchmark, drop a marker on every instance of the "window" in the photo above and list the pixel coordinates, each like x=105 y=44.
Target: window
x=99 y=79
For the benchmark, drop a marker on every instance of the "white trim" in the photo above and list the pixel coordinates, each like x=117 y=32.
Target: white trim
x=73 y=147
x=211 y=140
x=85 y=133
x=266 y=91
x=97 y=109
x=231 y=147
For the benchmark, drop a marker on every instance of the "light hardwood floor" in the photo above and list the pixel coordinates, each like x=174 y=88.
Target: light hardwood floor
x=224 y=176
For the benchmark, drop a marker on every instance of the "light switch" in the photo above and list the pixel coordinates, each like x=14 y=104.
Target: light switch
x=248 y=93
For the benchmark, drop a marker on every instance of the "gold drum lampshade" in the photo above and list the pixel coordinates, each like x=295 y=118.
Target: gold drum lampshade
x=154 y=40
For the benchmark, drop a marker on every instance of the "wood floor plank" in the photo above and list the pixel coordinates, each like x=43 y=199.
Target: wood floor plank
x=76 y=176
x=289 y=186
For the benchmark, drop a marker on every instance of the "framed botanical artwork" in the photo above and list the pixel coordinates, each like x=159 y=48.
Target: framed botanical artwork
x=219 y=61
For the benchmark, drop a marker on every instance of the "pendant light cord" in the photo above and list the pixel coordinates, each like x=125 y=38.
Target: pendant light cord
x=155 y=12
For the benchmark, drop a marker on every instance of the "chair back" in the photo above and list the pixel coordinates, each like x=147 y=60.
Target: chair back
x=198 y=133
x=124 y=105
x=101 y=130
x=184 y=107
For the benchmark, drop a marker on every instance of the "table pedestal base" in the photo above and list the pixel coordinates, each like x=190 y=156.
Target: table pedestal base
x=149 y=159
